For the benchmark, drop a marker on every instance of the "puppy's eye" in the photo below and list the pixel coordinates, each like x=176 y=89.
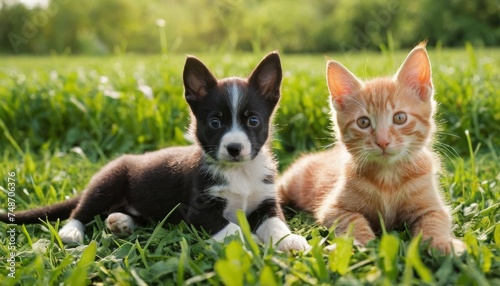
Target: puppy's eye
x=363 y=122
x=215 y=123
x=253 y=121
x=400 y=118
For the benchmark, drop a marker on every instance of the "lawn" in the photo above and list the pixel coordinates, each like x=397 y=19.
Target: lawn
x=62 y=118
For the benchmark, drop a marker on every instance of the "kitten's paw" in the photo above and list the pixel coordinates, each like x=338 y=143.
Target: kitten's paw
x=332 y=247
x=450 y=245
x=293 y=242
x=360 y=243
x=72 y=232
x=362 y=239
x=120 y=224
x=459 y=246
x=230 y=229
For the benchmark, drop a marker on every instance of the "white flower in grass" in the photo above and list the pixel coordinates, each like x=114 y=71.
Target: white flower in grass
x=41 y=246
x=106 y=88
x=160 y=22
x=146 y=90
x=112 y=93
x=53 y=76
x=103 y=79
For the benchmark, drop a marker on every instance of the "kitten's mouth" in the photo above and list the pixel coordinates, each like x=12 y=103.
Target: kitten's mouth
x=384 y=153
x=388 y=154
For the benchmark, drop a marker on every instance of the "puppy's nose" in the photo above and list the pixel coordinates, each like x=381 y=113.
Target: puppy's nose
x=234 y=149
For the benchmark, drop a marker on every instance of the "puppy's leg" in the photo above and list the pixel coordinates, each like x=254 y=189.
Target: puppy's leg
x=106 y=188
x=229 y=229
x=267 y=222
x=209 y=217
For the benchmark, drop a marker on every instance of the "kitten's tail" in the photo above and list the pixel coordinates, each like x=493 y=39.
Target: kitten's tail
x=293 y=191
x=52 y=213
x=306 y=183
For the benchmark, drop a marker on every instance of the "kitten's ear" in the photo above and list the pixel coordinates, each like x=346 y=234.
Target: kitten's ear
x=267 y=76
x=341 y=81
x=197 y=79
x=415 y=72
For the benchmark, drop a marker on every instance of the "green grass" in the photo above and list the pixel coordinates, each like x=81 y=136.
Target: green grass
x=58 y=127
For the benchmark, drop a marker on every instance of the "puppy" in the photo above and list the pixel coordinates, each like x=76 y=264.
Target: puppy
x=230 y=167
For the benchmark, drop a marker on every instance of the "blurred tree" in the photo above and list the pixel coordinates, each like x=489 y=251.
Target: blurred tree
x=67 y=25
x=455 y=22
x=12 y=19
x=118 y=26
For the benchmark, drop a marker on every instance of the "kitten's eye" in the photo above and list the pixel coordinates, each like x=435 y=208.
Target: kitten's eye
x=363 y=122
x=400 y=118
x=215 y=123
x=253 y=121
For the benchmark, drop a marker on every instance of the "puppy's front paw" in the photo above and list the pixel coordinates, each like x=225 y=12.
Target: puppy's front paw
x=230 y=229
x=72 y=232
x=293 y=242
x=120 y=224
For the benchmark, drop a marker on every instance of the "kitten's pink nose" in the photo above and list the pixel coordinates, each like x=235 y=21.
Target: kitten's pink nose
x=383 y=143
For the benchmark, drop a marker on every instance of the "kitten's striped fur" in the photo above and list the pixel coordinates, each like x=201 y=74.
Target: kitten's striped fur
x=387 y=167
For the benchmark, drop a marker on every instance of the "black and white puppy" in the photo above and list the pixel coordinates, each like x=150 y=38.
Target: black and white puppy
x=230 y=167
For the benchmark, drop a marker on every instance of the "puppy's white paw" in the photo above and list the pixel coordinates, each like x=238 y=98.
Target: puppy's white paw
x=293 y=242
x=275 y=230
x=230 y=229
x=72 y=232
x=120 y=224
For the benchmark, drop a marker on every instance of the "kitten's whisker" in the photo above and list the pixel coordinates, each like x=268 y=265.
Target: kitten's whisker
x=446 y=150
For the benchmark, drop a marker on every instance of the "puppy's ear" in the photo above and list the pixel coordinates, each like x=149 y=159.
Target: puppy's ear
x=266 y=77
x=197 y=79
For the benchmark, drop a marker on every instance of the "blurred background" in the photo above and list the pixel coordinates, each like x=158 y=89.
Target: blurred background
x=170 y=26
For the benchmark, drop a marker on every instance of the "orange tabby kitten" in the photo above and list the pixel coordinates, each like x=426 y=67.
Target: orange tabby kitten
x=382 y=161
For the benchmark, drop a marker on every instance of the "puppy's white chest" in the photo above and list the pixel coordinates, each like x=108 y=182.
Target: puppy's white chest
x=245 y=202
x=243 y=190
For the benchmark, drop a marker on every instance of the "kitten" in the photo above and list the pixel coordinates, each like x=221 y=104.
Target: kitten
x=382 y=161
x=229 y=167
